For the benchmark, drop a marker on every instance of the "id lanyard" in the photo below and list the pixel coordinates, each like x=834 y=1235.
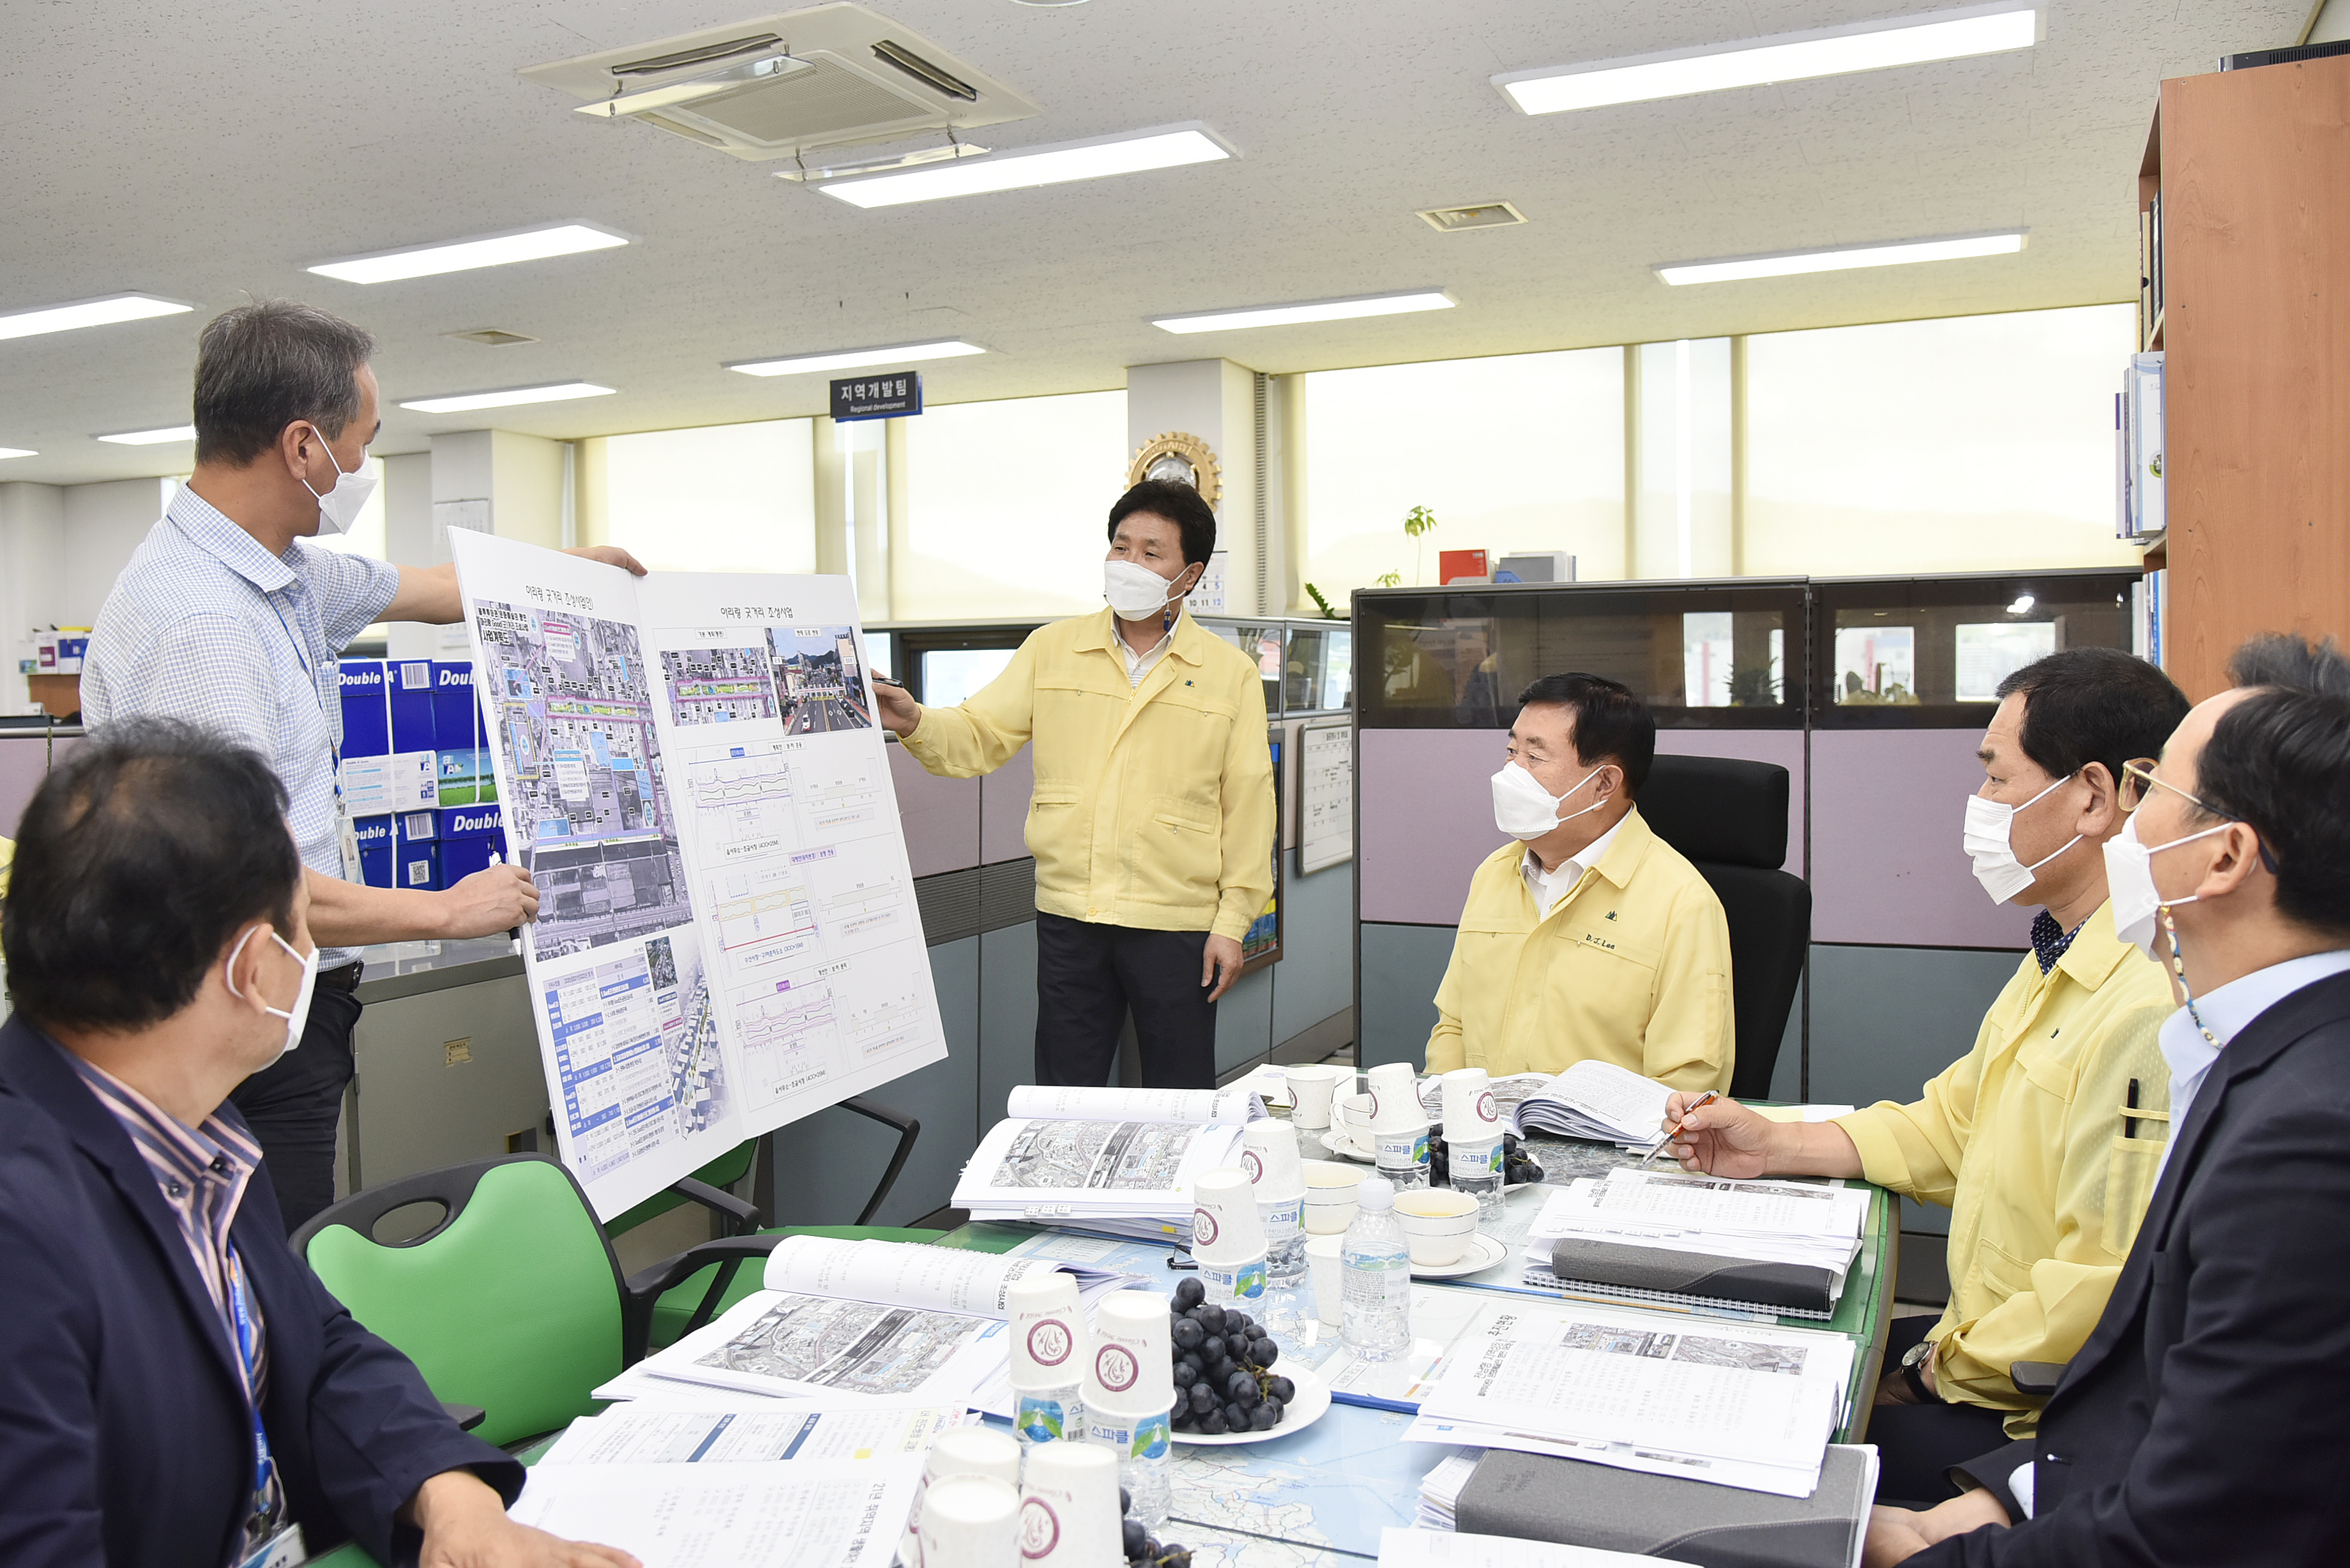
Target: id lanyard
x=346 y=842
x=266 y=1491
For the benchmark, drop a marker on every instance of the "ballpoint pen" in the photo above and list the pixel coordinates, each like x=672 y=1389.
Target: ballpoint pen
x=1705 y=1099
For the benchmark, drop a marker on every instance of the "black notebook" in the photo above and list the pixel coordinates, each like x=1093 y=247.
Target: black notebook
x=1795 y=1288
x=1536 y=1499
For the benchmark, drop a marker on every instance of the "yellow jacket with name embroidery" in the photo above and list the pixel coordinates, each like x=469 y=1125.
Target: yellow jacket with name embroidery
x=2030 y=1142
x=1154 y=804
x=1631 y=966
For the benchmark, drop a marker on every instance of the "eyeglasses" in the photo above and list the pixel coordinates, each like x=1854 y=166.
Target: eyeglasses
x=2137 y=780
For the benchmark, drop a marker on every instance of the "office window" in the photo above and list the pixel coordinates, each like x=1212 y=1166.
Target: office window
x=1968 y=443
x=1518 y=453
x=1007 y=505
x=720 y=498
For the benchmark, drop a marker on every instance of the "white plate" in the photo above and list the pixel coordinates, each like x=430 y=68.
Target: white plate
x=1483 y=1253
x=1312 y=1403
x=1336 y=1141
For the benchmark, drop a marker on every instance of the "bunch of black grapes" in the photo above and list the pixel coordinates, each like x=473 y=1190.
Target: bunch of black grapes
x=1221 y=1355
x=1141 y=1550
x=1518 y=1167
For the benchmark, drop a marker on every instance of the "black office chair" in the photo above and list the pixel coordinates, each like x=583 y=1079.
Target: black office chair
x=1730 y=818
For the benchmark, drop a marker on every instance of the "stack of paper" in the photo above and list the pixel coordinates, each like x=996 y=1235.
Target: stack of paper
x=1740 y=1404
x=1118 y=1161
x=1598 y=1100
x=1439 y=1489
x=1509 y=1094
x=679 y=1489
x=878 y=1318
x=1786 y=1245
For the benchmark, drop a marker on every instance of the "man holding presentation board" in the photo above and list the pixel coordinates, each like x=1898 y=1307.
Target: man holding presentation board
x=1152 y=819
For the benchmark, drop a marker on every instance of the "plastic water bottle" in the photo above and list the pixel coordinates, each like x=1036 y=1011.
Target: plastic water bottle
x=1145 y=1449
x=1050 y=1414
x=1375 y=1274
x=1402 y=1156
x=1476 y=1170
x=1285 y=1264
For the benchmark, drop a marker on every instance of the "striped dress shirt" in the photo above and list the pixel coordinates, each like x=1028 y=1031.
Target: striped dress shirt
x=202 y=1173
x=205 y=624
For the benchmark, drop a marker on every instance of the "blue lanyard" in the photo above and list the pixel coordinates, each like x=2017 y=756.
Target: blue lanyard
x=248 y=1355
x=334 y=750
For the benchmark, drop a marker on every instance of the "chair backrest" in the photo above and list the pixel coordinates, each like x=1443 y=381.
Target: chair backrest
x=1729 y=817
x=510 y=1302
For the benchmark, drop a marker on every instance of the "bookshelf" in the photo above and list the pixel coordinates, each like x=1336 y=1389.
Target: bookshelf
x=2248 y=297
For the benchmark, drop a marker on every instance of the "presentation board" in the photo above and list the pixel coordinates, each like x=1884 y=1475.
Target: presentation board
x=727 y=938
x=1326 y=795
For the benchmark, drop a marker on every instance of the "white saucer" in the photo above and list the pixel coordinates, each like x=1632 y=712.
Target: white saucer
x=1483 y=1252
x=1311 y=1404
x=1338 y=1143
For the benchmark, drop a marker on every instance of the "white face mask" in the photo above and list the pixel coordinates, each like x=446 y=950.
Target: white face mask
x=1135 y=592
x=1985 y=838
x=340 y=507
x=297 y=1016
x=2129 y=881
x=1524 y=810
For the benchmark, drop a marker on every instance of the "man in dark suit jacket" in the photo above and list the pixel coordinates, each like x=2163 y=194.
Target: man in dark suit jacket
x=177 y=1389
x=2202 y=1421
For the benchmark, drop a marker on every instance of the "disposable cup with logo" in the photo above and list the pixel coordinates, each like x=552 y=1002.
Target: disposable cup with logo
x=1228 y=1237
x=970 y=1521
x=1130 y=1365
x=1048 y=1358
x=1472 y=1137
x=1269 y=1159
x=1311 y=1089
x=957 y=1452
x=1395 y=1098
x=1068 y=1507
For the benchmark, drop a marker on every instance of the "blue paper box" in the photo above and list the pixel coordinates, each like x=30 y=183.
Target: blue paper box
x=409 y=685
x=367 y=719
x=374 y=833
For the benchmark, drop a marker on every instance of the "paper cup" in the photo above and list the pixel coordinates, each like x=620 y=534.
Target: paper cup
x=1068 y=1507
x=1469 y=1113
x=958 y=1452
x=1311 y=1089
x=1048 y=1331
x=1225 y=1224
x=1329 y=1195
x=1395 y=1102
x=1130 y=1371
x=1322 y=1258
x=970 y=1521
x=1269 y=1159
x=1437 y=1225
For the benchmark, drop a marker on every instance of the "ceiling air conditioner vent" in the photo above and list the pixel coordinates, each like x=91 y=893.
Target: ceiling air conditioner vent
x=784 y=85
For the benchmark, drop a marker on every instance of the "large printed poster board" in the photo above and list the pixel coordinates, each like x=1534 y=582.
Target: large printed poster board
x=727 y=938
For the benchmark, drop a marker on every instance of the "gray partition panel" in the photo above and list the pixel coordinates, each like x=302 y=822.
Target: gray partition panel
x=1887 y=808
x=1007 y=1017
x=1245 y=1018
x=940 y=816
x=1315 y=976
x=1401 y=967
x=443 y=1075
x=826 y=1164
x=1003 y=808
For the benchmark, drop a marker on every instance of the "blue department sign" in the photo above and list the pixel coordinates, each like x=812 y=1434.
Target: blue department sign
x=877 y=397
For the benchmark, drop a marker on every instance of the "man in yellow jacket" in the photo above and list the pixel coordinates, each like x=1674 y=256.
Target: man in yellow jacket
x=2043 y=1140
x=1153 y=814
x=1585 y=936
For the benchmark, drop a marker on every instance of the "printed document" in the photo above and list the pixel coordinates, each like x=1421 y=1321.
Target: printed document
x=803 y=1513
x=1077 y=1170
x=634 y=1435
x=1598 y=1100
x=1447 y=1549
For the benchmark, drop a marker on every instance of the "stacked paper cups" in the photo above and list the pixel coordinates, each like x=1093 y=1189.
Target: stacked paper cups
x=1399 y=1125
x=1048 y=1359
x=958 y=1452
x=1068 y=1509
x=1472 y=1139
x=1131 y=1390
x=1227 y=1237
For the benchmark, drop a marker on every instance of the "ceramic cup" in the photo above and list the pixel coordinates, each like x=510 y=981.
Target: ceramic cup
x=1438 y=1224
x=1329 y=1195
x=1322 y=1257
x=1311 y=1089
x=1352 y=1115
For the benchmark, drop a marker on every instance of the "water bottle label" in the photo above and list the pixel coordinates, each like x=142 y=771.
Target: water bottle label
x=1474 y=1159
x=1243 y=1281
x=1378 y=1288
x=1042 y=1419
x=1152 y=1436
x=1399 y=1150
x=1276 y=1216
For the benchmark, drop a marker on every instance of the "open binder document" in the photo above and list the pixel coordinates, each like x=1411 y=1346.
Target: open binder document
x=1125 y=1168
x=839 y=1512
x=1740 y=1404
x=727 y=938
x=894 y=1319
x=1783 y=1246
x=1597 y=1100
x=833 y=1429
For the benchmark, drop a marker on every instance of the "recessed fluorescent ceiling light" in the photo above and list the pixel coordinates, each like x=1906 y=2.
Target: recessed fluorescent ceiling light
x=8 y=452
x=1782 y=57
x=424 y=261
x=1323 y=310
x=465 y=402
x=152 y=438
x=87 y=313
x=1165 y=149
x=856 y=358
x=1893 y=254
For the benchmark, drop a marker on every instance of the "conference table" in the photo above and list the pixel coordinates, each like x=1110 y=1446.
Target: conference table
x=1319 y=1496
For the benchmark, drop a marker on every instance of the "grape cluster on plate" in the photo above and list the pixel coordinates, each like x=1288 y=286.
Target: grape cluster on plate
x=1141 y=1549
x=1518 y=1167
x=1221 y=1357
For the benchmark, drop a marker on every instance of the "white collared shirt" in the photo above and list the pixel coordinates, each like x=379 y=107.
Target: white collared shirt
x=1549 y=886
x=2224 y=1011
x=1138 y=665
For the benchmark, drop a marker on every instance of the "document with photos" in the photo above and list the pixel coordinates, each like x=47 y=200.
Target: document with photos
x=651 y=1435
x=1804 y=1223
x=1597 y=1100
x=796 y=1513
x=1080 y=1170
x=727 y=938
x=1741 y=1405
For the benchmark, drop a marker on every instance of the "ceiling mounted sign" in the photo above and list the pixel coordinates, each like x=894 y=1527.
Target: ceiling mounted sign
x=1172 y=454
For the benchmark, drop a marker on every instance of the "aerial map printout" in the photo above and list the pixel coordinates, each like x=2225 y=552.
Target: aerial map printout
x=727 y=938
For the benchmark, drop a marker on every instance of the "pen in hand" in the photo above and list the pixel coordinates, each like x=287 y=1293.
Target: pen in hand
x=1705 y=1099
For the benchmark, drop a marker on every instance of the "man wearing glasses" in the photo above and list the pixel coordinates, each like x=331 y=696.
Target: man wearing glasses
x=2201 y=1421
x=2044 y=1140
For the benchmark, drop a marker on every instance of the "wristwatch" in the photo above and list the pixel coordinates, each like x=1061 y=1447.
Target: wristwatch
x=1912 y=1359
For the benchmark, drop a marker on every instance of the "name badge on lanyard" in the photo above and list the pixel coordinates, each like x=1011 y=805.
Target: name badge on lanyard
x=287 y=1549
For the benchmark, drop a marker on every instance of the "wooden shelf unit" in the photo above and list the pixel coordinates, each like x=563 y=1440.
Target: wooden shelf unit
x=2254 y=168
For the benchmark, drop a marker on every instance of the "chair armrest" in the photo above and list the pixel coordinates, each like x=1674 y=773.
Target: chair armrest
x=467 y=1417
x=735 y=1214
x=908 y=1129
x=2036 y=1377
x=646 y=1287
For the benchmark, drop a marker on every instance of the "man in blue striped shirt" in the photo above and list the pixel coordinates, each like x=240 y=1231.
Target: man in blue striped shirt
x=228 y=616
x=176 y=1386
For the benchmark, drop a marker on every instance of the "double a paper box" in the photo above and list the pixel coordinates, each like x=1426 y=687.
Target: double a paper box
x=416 y=848
x=411 y=691
x=375 y=786
x=367 y=721
x=470 y=836
x=374 y=833
x=456 y=721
